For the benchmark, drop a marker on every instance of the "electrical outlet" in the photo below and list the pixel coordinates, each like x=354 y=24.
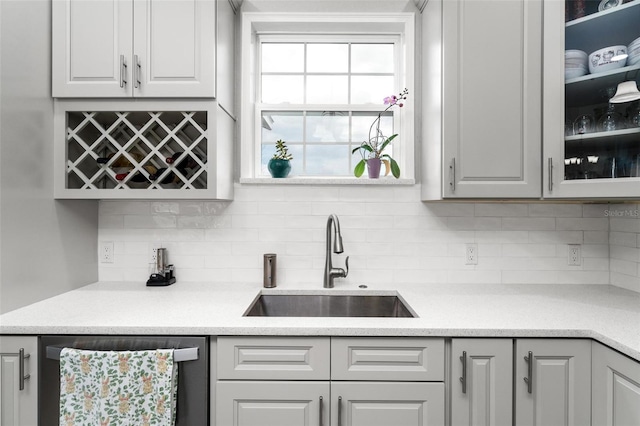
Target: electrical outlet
x=575 y=255
x=106 y=252
x=472 y=254
x=153 y=253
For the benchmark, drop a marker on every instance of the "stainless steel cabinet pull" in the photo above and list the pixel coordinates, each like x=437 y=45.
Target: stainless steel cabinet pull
x=339 y=411
x=463 y=379
x=320 y=412
x=452 y=173
x=137 y=69
x=528 y=380
x=21 y=357
x=550 y=165
x=123 y=72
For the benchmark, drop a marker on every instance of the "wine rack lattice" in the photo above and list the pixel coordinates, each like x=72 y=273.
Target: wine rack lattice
x=136 y=149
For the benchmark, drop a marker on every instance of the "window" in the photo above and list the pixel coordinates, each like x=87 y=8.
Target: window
x=321 y=89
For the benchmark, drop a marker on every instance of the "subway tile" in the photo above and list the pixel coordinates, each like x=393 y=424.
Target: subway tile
x=449 y=209
x=420 y=249
x=555 y=210
x=474 y=223
x=623 y=211
x=582 y=224
x=501 y=209
x=340 y=209
x=529 y=277
x=285 y=235
x=595 y=251
x=473 y=277
x=625 y=281
x=596 y=237
x=402 y=241
x=583 y=277
x=284 y=208
x=107 y=207
x=625 y=267
x=621 y=224
x=529 y=250
x=168 y=208
x=259 y=193
x=568 y=237
x=595 y=264
x=624 y=239
x=247 y=275
x=365 y=193
x=528 y=223
x=502 y=236
x=420 y=222
x=631 y=254
x=407 y=194
x=484 y=250
x=305 y=193
x=110 y=221
x=149 y=222
x=419 y=276
x=595 y=210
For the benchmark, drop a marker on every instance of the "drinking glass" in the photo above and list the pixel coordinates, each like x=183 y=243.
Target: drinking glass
x=583 y=124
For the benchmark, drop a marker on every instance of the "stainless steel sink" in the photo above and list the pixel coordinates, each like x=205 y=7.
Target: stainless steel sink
x=312 y=305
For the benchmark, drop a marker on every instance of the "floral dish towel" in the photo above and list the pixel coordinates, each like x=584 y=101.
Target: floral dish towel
x=125 y=388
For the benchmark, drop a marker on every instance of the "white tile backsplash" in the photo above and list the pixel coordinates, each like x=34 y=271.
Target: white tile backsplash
x=389 y=234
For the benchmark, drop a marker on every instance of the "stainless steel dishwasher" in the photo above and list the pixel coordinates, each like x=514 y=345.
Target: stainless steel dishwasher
x=193 y=374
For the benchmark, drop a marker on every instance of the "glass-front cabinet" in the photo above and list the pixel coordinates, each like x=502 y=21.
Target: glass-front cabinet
x=591 y=145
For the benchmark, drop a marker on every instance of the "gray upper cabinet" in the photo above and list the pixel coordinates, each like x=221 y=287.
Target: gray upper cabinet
x=126 y=48
x=600 y=157
x=482 y=138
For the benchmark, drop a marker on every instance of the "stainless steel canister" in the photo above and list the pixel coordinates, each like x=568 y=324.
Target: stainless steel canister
x=269 y=278
x=161 y=260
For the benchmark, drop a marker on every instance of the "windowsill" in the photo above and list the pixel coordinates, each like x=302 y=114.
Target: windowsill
x=326 y=181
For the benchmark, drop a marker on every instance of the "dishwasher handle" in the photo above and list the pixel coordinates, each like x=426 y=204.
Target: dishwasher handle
x=179 y=355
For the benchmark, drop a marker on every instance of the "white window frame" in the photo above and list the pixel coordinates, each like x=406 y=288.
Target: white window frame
x=327 y=27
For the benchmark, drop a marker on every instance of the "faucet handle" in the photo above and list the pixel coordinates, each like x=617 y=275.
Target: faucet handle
x=346 y=262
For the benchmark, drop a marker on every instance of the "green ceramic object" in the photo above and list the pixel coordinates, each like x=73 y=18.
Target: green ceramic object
x=279 y=168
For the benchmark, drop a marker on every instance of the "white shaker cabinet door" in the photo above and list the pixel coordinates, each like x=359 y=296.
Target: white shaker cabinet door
x=141 y=48
x=92 y=44
x=18 y=407
x=491 y=99
x=387 y=403
x=481 y=384
x=272 y=403
x=553 y=383
x=174 y=48
x=616 y=388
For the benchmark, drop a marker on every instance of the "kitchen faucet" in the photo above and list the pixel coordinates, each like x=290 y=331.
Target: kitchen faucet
x=329 y=271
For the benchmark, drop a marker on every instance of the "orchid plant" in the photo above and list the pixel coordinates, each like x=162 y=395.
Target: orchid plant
x=374 y=147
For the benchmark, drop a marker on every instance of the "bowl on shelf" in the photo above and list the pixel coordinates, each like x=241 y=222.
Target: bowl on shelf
x=570 y=73
x=607 y=59
x=634 y=52
x=576 y=55
x=575 y=63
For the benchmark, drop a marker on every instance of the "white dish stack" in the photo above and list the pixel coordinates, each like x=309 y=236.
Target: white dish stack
x=634 y=52
x=575 y=64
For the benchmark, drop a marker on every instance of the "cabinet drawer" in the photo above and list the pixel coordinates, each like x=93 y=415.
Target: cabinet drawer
x=273 y=358
x=398 y=359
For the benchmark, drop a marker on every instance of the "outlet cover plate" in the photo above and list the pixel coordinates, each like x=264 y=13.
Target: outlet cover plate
x=106 y=252
x=471 y=254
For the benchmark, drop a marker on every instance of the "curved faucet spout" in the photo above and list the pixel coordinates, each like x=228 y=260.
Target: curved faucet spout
x=329 y=271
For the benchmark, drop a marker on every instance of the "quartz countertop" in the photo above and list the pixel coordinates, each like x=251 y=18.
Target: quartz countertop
x=607 y=314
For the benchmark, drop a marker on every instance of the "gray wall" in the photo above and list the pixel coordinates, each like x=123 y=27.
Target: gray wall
x=46 y=247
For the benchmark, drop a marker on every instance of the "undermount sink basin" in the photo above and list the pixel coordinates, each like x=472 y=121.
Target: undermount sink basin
x=313 y=305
